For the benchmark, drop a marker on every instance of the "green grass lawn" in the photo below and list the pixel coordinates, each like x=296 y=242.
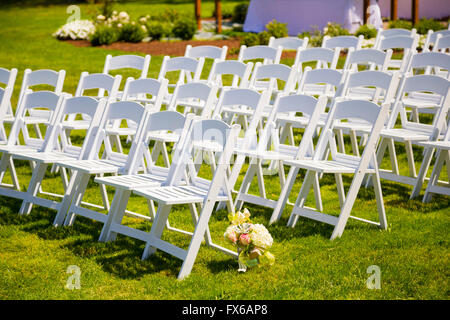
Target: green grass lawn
x=413 y=254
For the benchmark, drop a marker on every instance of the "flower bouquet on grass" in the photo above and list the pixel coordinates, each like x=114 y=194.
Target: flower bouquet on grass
x=251 y=240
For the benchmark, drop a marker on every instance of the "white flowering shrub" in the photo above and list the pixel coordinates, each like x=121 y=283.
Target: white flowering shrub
x=75 y=30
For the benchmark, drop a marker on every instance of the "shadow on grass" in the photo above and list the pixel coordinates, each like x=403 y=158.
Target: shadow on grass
x=121 y=258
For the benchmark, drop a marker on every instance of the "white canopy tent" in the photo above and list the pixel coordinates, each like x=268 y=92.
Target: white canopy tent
x=303 y=15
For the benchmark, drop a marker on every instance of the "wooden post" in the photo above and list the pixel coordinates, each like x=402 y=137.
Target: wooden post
x=365 y=14
x=394 y=9
x=198 y=13
x=415 y=11
x=218 y=16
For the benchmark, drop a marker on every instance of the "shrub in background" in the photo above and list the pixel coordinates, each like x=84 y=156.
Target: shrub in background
x=264 y=38
x=315 y=37
x=402 y=24
x=184 y=28
x=104 y=35
x=250 y=39
x=367 y=31
x=428 y=24
x=132 y=32
x=277 y=29
x=334 y=29
x=226 y=13
x=239 y=13
x=155 y=30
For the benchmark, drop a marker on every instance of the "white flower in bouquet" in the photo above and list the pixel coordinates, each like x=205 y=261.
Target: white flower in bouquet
x=261 y=237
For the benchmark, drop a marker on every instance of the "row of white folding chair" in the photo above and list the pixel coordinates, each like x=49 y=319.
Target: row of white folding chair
x=376 y=86
x=371 y=113
x=127 y=61
x=432 y=38
x=55 y=147
x=408 y=44
x=56 y=80
x=412 y=133
x=116 y=110
x=394 y=32
x=137 y=160
x=198 y=191
x=44 y=77
x=106 y=167
x=42 y=100
x=176 y=190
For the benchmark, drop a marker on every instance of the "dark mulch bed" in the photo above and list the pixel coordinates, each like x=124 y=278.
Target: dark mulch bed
x=171 y=48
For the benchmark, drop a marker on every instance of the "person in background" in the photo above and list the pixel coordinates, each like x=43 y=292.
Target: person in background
x=374 y=14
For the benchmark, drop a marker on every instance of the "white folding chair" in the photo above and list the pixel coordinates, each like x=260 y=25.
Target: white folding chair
x=243 y=106
x=442 y=149
x=317 y=82
x=188 y=69
x=436 y=63
x=289 y=43
x=372 y=85
x=239 y=71
x=8 y=78
x=195 y=97
x=154 y=175
x=432 y=38
x=442 y=44
x=341 y=163
x=44 y=101
x=323 y=58
x=411 y=133
x=367 y=59
x=198 y=192
x=43 y=77
x=217 y=54
x=407 y=43
x=392 y=33
x=340 y=43
x=268 y=76
x=276 y=79
x=94 y=81
x=126 y=61
x=111 y=162
x=326 y=82
x=266 y=53
x=57 y=148
x=307 y=106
